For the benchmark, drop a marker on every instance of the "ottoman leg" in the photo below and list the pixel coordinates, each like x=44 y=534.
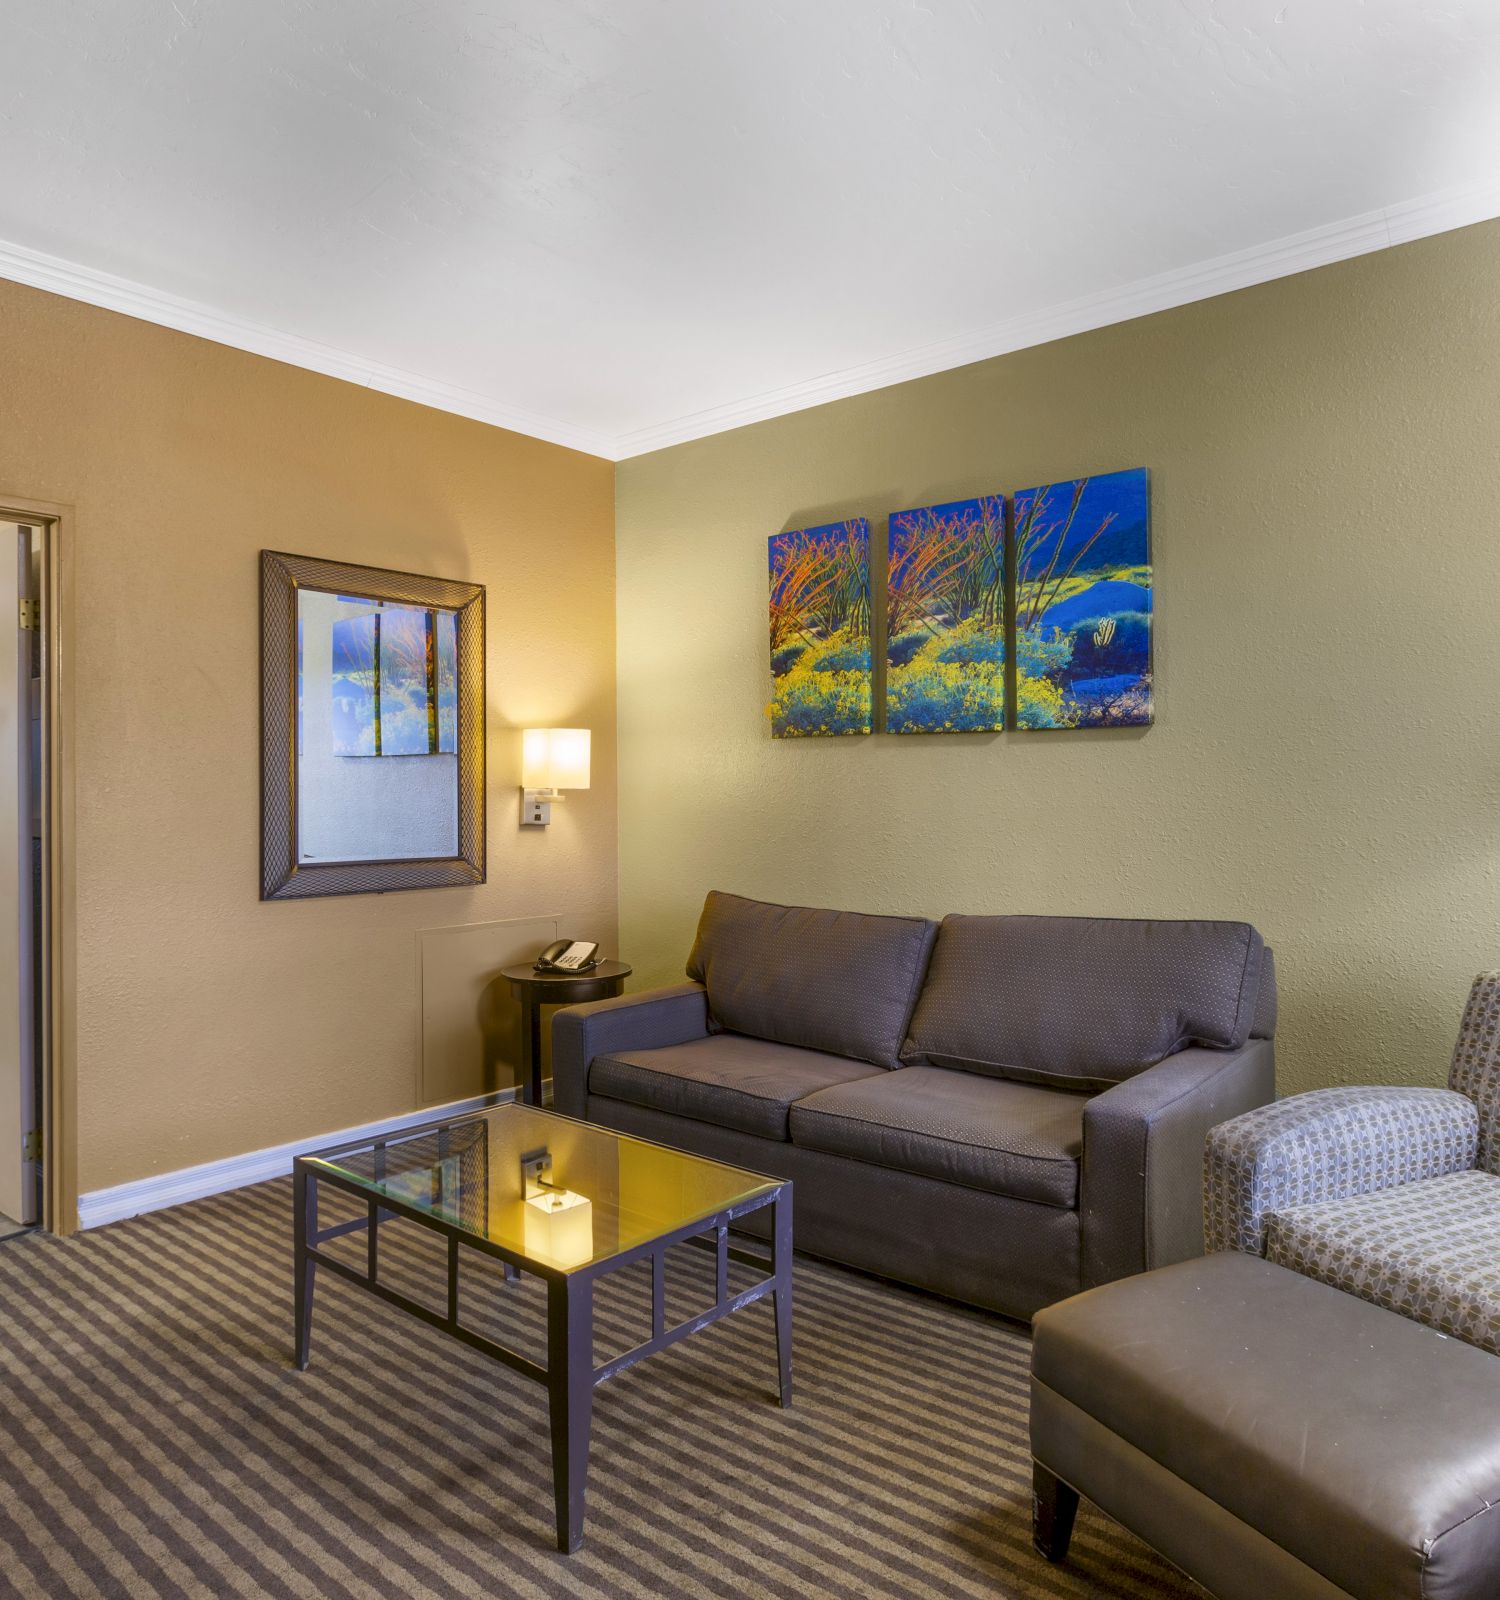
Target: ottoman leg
x=1053 y=1505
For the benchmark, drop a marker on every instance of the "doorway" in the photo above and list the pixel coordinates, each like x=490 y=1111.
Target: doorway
x=24 y=875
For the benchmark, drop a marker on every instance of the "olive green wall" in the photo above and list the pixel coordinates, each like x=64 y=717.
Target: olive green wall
x=1326 y=757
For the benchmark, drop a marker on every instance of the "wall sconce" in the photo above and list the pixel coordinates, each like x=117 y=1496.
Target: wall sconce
x=552 y=759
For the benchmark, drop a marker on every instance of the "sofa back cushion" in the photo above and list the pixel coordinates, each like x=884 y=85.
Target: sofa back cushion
x=1084 y=1002
x=827 y=980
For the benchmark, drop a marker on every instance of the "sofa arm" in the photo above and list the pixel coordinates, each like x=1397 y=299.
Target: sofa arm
x=1142 y=1192
x=1328 y=1144
x=642 y=1021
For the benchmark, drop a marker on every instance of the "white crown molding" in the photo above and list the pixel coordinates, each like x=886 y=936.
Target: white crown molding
x=1408 y=220
x=1317 y=247
x=215 y=1177
x=74 y=282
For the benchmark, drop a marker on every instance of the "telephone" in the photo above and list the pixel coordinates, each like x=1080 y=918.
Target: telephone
x=568 y=955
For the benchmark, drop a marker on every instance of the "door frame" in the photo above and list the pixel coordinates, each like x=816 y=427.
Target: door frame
x=58 y=1021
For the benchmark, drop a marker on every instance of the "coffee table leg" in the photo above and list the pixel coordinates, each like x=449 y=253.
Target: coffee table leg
x=570 y=1389
x=305 y=1214
x=781 y=1268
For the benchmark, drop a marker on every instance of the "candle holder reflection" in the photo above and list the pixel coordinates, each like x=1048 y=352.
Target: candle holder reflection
x=559 y=1224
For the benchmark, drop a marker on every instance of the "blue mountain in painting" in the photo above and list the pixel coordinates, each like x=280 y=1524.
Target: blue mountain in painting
x=1084 y=603
x=1119 y=497
x=1100 y=599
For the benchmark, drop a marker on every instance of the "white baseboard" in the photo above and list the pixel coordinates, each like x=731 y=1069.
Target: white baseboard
x=234 y=1172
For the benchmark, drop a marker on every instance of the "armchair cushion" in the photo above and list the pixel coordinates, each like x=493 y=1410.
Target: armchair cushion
x=1428 y=1250
x=1329 y=1144
x=725 y=1079
x=837 y=981
x=1085 y=1002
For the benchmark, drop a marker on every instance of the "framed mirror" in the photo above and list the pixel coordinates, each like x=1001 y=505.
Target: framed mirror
x=372 y=729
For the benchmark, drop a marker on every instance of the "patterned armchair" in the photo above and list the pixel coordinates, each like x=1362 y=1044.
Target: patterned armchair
x=1390 y=1194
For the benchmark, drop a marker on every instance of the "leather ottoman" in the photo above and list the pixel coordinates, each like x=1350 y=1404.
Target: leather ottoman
x=1270 y=1435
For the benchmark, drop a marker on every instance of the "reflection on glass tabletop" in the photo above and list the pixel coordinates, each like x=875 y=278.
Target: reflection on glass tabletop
x=596 y=1193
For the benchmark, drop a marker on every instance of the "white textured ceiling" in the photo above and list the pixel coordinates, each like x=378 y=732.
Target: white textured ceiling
x=617 y=222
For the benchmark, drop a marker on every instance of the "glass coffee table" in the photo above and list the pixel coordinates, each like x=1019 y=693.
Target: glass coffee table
x=567 y=1202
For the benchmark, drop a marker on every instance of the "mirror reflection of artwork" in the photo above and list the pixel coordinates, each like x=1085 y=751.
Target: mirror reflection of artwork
x=376 y=680
x=395 y=682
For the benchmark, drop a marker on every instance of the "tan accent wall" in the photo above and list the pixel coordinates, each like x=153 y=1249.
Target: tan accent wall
x=1326 y=759
x=209 y=1024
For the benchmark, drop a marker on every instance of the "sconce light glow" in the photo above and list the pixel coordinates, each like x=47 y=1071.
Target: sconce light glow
x=555 y=758
x=552 y=759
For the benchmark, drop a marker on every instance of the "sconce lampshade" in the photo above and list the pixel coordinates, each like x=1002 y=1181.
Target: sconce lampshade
x=555 y=758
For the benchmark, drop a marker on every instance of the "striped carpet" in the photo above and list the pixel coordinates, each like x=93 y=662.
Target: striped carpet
x=154 y=1439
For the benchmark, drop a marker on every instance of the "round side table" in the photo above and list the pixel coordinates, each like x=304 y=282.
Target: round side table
x=537 y=989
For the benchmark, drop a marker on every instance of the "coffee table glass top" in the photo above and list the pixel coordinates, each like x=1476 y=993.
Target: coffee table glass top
x=601 y=1193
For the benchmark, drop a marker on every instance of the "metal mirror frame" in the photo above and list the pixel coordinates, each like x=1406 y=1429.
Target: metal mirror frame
x=282 y=876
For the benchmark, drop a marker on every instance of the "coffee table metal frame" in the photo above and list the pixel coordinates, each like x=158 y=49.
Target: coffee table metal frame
x=570 y=1376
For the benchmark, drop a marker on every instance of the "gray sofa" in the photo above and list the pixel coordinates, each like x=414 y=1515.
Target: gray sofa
x=1001 y=1109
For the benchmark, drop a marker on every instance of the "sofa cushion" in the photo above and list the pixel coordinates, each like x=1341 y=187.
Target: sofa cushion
x=726 y=1079
x=1083 y=1001
x=1429 y=1250
x=1016 y=1139
x=826 y=980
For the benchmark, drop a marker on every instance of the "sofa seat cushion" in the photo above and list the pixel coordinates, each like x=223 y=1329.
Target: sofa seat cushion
x=725 y=1079
x=1085 y=1002
x=1014 y=1139
x=1429 y=1250
x=838 y=981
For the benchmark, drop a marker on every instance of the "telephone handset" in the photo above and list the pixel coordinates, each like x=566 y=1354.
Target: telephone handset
x=568 y=955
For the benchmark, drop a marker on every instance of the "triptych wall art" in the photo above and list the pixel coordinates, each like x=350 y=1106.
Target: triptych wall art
x=1066 y=597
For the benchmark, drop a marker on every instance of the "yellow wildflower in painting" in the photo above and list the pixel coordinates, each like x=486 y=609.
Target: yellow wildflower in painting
x=821 y=682
x=945 y=618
